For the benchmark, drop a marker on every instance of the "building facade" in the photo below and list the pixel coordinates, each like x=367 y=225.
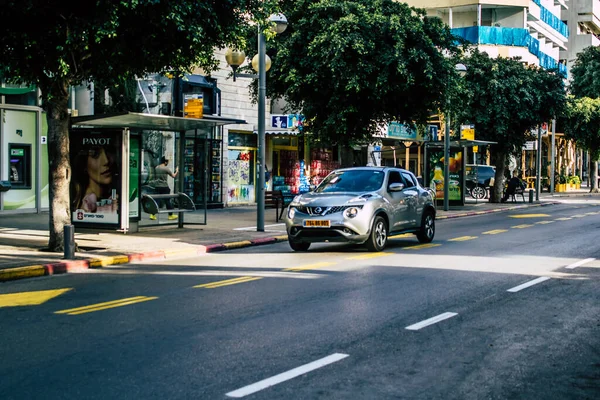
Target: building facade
x=583 y=19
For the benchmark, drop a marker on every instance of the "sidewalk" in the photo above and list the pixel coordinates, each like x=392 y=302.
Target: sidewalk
x=23 y=237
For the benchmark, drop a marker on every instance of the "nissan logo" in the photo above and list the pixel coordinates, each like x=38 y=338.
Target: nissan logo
x=318 y=210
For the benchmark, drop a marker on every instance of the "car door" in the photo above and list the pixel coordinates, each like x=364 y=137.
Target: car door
x=411 y=193
x=399 y=218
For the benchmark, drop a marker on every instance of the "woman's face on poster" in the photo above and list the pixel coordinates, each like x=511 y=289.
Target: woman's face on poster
x=99 y=165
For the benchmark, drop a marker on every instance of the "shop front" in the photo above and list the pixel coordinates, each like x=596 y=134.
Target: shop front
x=115 y=160
x=23 y=159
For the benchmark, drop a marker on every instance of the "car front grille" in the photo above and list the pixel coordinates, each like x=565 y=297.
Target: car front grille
x=324 y=210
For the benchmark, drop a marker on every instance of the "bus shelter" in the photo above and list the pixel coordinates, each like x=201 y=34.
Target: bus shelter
x=113 y=163
x=433 y=168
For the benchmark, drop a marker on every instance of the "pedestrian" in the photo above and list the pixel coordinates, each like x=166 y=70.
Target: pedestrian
x=162 y=174
x=513 y=184
x=267 y=177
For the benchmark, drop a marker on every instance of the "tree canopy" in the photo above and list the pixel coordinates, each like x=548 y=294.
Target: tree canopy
x=352 y=66
x=56 y=44
x=585 y=74
x=505 y=100
x=582 y=124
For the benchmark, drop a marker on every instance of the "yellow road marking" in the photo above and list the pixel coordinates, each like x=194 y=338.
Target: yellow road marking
x=403 y=235
x=105 y=305
x=495 y=231
x=544 y=222
x=523 y=226
x=563 y=219
x=592 y=213
x=310 y=266
x=29 y=298
x=462 y=238
x=422 y=246
x=228 y=282
x=528 y=215
x=578 y=216
x=367 y=256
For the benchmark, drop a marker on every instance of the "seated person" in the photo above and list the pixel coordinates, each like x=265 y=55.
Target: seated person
x=513 y=184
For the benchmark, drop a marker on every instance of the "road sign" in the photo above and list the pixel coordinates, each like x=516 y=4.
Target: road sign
x=467 y=132
x=475 y=149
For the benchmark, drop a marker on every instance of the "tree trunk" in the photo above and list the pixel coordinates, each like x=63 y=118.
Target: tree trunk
x=594 y=177
x=56 y=100
x=498 y=189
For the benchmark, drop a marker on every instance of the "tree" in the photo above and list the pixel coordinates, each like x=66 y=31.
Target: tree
x=585 y=74
x=505 y=100
x=62 y=45
x=350 y=67
x=582 y=124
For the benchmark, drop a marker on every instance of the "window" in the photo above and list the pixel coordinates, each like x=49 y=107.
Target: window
x=394 y=178
x=409 y=179
x=359 y=180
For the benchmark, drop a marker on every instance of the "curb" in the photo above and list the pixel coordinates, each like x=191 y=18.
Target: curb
x=93 y=263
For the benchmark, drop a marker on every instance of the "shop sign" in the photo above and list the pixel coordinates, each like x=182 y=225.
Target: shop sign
x=279 y=121
x=467 y=132
x=402 y=131
x=17 y=152
x=295 y=121
x=96 y=181
x=433 y=133
x=531 y=145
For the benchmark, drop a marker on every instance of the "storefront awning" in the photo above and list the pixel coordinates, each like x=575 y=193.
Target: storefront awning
x=294 y=132
x=151 y=121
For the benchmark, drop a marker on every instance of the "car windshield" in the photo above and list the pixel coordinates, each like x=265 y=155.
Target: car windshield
x=358 y=180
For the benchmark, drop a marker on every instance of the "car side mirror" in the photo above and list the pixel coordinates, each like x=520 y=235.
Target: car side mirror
x=396 y=187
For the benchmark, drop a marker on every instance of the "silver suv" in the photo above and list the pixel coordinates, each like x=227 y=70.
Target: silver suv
x=362 y=205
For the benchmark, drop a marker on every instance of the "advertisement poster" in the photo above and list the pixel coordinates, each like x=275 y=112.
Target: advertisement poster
x=134 y=177
x=96 y=181
x=240 y=190
x=436 y=174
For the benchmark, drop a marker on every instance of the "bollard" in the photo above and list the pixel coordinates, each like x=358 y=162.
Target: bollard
x=69 y=232
x=531 y=196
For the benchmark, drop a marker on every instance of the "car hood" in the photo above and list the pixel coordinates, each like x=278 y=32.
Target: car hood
x=313 y=199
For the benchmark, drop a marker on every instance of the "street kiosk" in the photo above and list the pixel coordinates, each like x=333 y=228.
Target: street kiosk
x=113 y=161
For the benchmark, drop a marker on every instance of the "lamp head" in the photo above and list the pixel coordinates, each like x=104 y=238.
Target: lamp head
x=461 y=69
x=280 y=22
x=255 y=63
x=234 y=58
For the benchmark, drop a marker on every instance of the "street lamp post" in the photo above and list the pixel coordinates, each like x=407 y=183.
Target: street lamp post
x=261 y=63
x=462 y=71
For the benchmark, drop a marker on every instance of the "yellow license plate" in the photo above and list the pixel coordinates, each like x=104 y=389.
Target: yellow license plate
x=312 y=223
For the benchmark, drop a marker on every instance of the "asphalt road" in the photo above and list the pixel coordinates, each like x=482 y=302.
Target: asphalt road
x=501 y=306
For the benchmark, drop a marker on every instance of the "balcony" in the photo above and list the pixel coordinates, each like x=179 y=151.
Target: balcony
x=519 y=37
x=551 y=20
x=588 y=13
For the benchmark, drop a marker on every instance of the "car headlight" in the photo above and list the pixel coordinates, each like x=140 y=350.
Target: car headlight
x=291 y=212
x=296 y=200
x=351 y=212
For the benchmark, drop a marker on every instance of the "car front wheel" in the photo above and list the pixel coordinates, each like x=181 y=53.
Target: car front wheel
x=427 y=230
x=379 y=235
x=299 y=246
x=479 y=192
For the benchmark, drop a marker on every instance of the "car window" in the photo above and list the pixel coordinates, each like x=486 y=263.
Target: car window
x=353 y=180
x=408 y=179
x=395 y=178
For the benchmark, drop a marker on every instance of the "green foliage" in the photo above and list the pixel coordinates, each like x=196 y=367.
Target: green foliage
x=585 y=74
x=45 y=42
x=505 y=99
x=574 y=180
x=352 y=66
x=583 y=124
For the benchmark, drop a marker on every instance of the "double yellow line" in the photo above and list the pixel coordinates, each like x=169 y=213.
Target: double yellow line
x=228 y=282
x=106 y=305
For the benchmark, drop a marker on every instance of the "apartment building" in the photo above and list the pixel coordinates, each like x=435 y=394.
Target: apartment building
x=530 y=29
x=583 y=18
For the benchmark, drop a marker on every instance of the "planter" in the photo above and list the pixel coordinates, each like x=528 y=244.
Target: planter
x=561 y=187
x=578 y=186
